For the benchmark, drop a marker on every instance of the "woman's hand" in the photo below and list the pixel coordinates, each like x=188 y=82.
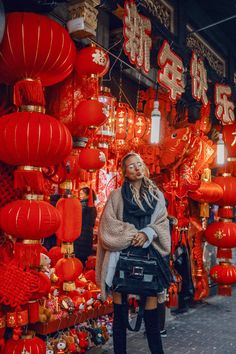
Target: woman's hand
x=139 y=239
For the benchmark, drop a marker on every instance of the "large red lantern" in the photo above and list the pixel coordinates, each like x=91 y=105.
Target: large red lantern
x=90 y=113
x=36 y=47
x=34 y=139
x=224 y=274
x=92 y=60
x=228 y=200
x=208 y=192
x=29 y=219
x=223 y=235
x=91 y=159
x=27 y=344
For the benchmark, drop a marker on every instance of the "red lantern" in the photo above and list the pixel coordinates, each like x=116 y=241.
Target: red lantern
x=92 y=60
x=29 y=219
x=224 y=274
x=223 y=235
x=208 y=192
x=228 y=184
x=34 y=139
x=71 y=213
x=91 y=159
x=90 y=113
x=68 y=269
x=36 y=47
x=27 y=344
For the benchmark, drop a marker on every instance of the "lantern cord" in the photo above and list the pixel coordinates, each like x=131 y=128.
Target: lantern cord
x=109 y=74
x=212 y=25
x=124 y=62
x=120 y=88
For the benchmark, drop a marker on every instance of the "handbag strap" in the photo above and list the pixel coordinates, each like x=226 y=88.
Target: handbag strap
x=140 y=314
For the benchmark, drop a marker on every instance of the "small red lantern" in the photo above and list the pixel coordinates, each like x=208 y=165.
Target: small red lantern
x=90 y=113
x=91 y=159
x=33 y=139
x=68 y=269
x=55 y=254
x=92 y=60
x=36 y=47
x=223 y=235
x=29 y=219
x=26 y=344
x=224 y=274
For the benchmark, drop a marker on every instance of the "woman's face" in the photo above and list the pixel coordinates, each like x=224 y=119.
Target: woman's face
x=83 y=195
x=134 y=168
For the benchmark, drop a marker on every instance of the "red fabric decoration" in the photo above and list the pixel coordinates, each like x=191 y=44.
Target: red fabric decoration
x=55 y=254
x=7 y=191
x=40 y=141
x=16 y=285
x=28 y=92
x=71 y=215
x=208 y=192
x=48 y=54
x=28 y=254
x=90 y=113
x=92 y=60
x=68 y=269
x=91 y=159
x=33 y=310
x=27 y=344
x=229 y=137
x=44 y=286
x=29 y=219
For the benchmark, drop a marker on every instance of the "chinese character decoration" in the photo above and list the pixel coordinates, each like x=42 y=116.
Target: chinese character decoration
x=137 y=30
x=171 y=73
x=224 y=107
x=199 y=79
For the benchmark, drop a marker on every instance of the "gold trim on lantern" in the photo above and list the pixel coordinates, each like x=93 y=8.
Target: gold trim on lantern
x=66 y=185
x=31 y=242
x=69 y=286
x=29 y=168
x=226 y=174
x=231 y=159
x=225 y=263
x=226 y=207
x=29 y=196
x=67 y=247
x=28 y=335
x=225 y=219
x=32 y=108
x=3 y=322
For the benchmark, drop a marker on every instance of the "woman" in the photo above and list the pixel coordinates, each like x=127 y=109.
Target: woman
x=134 y=214
x=84 y=244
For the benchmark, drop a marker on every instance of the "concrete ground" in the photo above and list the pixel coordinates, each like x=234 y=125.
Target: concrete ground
x=209 y=328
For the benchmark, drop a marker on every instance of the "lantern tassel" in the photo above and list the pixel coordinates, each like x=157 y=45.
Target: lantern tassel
x=204 y=210
x=90 y=198
x=224 y=253
x=224 y=290
x=28 y=92
x=28 y=255
x=33 y=179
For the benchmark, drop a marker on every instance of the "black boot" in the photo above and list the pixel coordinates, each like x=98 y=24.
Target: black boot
x=119 y=329
x=152 y=325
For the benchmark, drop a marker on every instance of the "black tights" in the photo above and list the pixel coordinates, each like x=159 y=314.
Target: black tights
x=152 y=326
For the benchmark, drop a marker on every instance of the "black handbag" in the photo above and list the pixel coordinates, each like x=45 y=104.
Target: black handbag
x=141 y=271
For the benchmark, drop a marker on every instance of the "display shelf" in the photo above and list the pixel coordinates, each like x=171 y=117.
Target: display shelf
x=70 y=320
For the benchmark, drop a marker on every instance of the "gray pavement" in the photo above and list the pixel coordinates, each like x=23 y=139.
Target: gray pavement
x=209 y=328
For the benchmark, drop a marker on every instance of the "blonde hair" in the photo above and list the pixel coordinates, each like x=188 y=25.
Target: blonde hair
x=148 y=190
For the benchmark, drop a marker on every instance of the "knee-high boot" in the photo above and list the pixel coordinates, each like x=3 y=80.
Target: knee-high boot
x=119 y=329
x=152 y=325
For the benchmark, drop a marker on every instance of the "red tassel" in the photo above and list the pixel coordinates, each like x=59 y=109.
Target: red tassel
x=28 y=255
x=25 y=179
x=224 y=290
x=224 y=253
x=33 y=309
x=90 y=198
x=28 y=92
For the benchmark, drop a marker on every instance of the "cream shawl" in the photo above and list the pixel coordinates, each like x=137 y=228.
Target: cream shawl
x=114 y=234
